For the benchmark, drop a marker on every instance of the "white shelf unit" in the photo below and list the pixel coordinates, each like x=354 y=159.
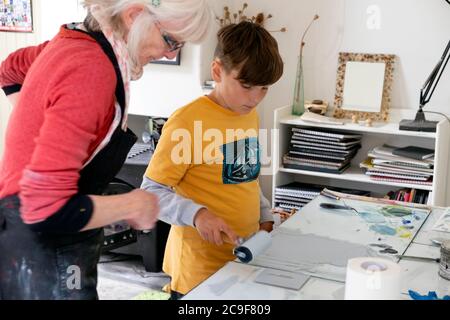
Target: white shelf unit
x=378 y=134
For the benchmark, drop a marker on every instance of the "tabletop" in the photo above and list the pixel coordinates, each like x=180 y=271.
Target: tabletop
x=316 y=244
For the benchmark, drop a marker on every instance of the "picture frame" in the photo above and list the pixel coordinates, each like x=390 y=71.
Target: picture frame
x=175 y=61
x=16 y=16
x=376 y=73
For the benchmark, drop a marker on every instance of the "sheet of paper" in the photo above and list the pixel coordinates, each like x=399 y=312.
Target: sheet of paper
x=443 y=224
x=282 y=279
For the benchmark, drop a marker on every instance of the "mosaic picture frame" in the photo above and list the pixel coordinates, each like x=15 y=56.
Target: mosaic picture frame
x=383 y=114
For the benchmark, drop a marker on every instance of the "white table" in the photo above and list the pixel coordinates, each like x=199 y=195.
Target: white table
x=237 y=281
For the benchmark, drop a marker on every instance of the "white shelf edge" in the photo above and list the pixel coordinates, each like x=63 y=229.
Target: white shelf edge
x=353 y=174
x=378 y=128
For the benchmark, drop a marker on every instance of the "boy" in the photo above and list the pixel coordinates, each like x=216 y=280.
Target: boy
x=206 y=166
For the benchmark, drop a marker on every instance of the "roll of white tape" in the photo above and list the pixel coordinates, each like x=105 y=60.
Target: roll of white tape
x=444 y=266
x=252 y=247
x=372 y=279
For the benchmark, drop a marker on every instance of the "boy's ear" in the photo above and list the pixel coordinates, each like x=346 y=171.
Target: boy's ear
x=130 y=14
x=216 y=71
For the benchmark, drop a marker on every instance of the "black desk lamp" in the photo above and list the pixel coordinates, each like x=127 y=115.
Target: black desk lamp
x=419 y=123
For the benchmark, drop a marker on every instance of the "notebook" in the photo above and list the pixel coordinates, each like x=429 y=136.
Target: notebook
x=406 y=181
x=295 y=202
x=282 y=198
x=300 y=187
x=396 y=175
x=398 y=159
x=386 y=166
x=322 y=153
x=313 y=156
x=324 y=147
x=402 y=164
x=414 y=152
x=337 y=135
x=288 y=206
x=299 y=136
x=317 y=168
x=305 y=162
x=299 y=154
x=349 y=142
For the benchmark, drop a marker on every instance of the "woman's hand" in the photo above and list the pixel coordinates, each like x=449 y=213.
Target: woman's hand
x=211 y=227
x=144 y=213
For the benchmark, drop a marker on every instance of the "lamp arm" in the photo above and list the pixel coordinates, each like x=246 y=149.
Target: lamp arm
x=434 y=78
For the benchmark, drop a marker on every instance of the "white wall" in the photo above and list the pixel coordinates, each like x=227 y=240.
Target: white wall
x=415 y=30
x=165 y=88
x=55 y=13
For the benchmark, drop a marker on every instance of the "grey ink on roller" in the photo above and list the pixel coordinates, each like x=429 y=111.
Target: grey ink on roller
x=253 y=246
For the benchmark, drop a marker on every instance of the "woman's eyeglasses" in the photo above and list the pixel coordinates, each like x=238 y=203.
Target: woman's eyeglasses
x=171 y=43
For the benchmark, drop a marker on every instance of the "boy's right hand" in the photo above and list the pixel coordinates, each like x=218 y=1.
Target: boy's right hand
x=211 y=227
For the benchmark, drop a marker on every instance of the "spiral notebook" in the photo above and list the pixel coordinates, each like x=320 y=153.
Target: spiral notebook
x=326 y=142
x=325 y=169
x=327 y=148
x=309 y=155
x=386 y=179
x=296 y=187
x=330 y=134
x=322 y=154
x=397 y=175
x=304 y=160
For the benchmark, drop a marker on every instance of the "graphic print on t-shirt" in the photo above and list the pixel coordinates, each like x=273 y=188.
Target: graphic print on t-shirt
x=241 y=161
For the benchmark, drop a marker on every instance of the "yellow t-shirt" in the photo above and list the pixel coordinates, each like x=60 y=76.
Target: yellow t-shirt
x=210 y=155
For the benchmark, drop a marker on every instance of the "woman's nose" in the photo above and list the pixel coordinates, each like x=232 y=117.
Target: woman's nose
x=171 y=55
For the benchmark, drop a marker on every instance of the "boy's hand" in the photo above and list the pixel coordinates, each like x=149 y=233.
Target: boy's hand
x=211 y=227
x=267 y=226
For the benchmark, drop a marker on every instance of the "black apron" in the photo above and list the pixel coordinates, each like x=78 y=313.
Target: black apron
x=35 y=265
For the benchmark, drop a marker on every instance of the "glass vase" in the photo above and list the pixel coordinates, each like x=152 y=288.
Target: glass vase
x=298 y=105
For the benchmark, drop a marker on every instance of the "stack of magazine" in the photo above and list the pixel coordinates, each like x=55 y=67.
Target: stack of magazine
x=295 y=195
x=383 y=164
x=321 y=150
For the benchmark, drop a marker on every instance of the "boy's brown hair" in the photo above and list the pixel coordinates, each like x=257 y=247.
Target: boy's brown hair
x=249 y=48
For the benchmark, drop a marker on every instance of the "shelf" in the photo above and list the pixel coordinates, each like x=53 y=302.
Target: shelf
x=380 y=133
x=355 y=175
x=377 y=128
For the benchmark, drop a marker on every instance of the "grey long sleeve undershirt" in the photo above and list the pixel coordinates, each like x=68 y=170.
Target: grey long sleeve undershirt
x=181 y=211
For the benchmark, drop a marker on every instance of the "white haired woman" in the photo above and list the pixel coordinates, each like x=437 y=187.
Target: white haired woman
x=67 y=138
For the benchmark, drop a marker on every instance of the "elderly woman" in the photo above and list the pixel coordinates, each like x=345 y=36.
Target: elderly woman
x=67 y=139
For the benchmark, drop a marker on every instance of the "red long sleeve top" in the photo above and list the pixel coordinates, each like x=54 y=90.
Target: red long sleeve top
x=65 y=109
